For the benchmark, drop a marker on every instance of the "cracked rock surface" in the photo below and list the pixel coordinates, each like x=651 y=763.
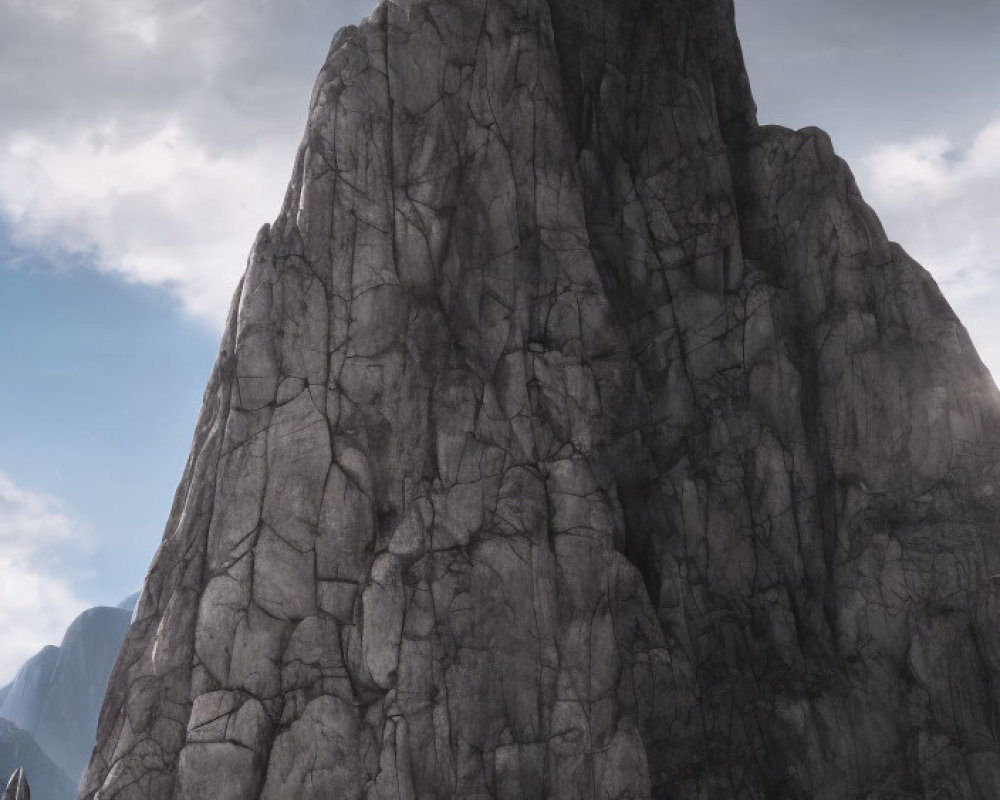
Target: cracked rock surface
x=571 y=436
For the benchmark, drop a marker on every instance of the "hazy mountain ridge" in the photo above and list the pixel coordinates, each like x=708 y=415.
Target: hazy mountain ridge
x=24 y=697
x=56 y=695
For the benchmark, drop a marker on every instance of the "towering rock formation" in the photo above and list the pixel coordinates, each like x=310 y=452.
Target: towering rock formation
x=571 y=436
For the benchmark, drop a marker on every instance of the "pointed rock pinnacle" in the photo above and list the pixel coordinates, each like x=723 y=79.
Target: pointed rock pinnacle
x=17 y=786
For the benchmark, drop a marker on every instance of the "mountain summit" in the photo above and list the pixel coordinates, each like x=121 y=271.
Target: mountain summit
x=571 y=436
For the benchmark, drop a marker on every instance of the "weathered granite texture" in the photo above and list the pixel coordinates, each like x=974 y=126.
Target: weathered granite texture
x=571 y=436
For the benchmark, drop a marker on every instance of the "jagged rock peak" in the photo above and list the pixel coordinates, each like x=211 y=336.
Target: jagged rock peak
x=571 y=436
x=17 y=787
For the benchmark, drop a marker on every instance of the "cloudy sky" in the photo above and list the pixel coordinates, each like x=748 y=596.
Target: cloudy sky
x=143 y=143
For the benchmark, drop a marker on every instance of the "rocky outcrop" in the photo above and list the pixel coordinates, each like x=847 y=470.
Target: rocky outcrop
x=571 y=436
x=56 y=696
x=23 y=760
x=17 y=787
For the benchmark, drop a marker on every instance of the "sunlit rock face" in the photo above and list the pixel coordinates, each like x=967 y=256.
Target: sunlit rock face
x=571 y=436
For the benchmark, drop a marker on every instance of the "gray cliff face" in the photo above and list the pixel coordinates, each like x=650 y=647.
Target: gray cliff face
x=571 y=436
x=56 y=696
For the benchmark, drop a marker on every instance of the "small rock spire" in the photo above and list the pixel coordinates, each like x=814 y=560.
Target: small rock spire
x=17 y=786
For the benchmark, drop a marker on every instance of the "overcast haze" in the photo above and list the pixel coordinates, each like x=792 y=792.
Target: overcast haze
x=143 y=144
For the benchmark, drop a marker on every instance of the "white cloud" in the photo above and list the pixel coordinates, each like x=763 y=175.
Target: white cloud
x=37 y=601
x=136 y=19
x=153 y=138
x=159 y=210
x=939 y=199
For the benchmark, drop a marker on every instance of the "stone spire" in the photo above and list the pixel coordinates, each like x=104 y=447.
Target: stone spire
x=571 y=436
x=17 y=787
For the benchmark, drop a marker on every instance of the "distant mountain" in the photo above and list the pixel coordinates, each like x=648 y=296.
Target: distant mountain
x=25 y=696
x=129 y=603
x=57 y=694
x=19 y=749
